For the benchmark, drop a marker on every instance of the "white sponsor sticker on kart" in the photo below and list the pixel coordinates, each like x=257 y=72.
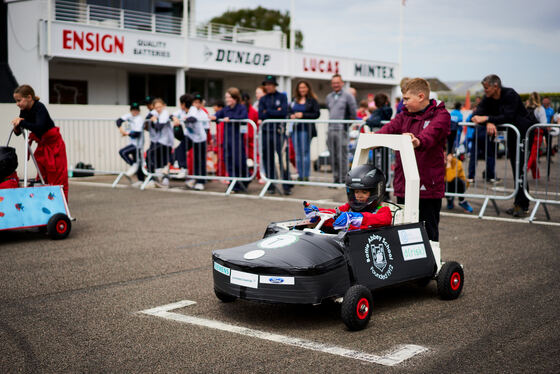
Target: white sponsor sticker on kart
x=244 y=279
x=414 y=251
x=410 y=236
x=253 y=255
x=221 y=269
x=274 y=279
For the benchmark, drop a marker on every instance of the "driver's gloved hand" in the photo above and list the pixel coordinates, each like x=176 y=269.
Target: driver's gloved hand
x=312 y=212
x=347 y=219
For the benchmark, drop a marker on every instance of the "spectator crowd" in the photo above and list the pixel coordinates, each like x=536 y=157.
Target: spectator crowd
x=229 y=150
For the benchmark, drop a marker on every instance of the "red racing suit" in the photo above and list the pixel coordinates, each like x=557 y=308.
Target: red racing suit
x=380 y=217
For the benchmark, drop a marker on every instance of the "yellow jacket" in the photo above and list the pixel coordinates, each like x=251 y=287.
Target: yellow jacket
x=454 y=169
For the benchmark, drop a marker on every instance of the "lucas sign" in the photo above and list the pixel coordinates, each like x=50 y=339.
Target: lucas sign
x=97 y=43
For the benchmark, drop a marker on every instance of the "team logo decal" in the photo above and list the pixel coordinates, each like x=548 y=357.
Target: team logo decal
x=378 y=253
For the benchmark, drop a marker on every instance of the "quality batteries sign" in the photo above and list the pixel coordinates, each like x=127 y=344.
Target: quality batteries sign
x=106 y=44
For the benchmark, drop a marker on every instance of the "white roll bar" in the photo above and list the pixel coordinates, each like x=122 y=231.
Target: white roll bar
x=403 y=144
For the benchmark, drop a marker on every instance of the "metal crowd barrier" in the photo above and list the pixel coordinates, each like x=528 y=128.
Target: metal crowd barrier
x=92 y=142
x=136 y=154
x=286 y=146
x=539 y=146
x=232 y=151
x=497 y=181
x=282 y=149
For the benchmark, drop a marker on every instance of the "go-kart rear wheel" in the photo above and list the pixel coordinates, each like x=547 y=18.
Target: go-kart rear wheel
x=450 y=280
x=224 y=297
x=59 y=226
x=357 y=306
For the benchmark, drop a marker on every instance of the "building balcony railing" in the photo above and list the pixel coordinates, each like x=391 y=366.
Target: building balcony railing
x=237 y=34
x=116 y=18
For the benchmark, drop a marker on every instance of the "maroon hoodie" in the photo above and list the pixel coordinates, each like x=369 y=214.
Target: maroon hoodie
x=431 y=126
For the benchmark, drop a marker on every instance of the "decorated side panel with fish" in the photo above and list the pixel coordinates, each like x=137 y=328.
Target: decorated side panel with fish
x=31 y=206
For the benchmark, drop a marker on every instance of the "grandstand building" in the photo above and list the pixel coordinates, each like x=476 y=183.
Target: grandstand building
x=112 y=52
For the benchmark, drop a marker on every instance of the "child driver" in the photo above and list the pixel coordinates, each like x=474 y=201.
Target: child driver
x=365 y=187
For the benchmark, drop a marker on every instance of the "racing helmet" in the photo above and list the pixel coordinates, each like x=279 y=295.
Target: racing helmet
x=365 y=177
x=8 y=161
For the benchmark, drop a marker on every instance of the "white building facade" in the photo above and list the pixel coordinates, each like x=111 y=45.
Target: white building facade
x=79 y=52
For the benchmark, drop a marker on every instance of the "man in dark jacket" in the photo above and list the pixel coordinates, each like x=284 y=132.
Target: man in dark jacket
x=274 y=105
x=502 y=105
x=428 y=124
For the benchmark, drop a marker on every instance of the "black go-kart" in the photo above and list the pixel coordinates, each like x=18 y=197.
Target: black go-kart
x=296 y=264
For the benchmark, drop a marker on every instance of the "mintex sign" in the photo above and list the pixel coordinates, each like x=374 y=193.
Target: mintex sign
x=373 y=72
x=324 y=67
x=97 y=43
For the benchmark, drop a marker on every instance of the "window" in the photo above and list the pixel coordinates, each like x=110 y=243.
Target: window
x=212 y=89
x=154 y=85
x=67 y=91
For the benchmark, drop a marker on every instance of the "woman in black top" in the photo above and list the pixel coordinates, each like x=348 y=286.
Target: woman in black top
x=51 y=150
x=303 y=106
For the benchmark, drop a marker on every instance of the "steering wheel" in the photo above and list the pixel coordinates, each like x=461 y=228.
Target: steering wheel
x=323 y=217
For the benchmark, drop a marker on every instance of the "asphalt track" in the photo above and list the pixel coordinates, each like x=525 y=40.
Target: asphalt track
x=72 y=305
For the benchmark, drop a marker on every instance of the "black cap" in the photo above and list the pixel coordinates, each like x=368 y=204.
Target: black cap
x=135 y=106
x=197 y=96
x=148 y=100
x=270 y=79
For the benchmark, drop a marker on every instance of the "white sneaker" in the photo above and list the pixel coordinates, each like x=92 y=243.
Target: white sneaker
x=250 y=163
x=181 y=174
x=199 y=187
x=164 y=183
x=132 y=170
x=190 y=183
x=151 y=184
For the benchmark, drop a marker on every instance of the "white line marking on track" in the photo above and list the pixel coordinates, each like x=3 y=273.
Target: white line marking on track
x=395 y=357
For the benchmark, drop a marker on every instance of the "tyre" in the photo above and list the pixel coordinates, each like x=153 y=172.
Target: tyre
x=357 y=306
x=224 y=297
x=450 y=280
x=59 y=226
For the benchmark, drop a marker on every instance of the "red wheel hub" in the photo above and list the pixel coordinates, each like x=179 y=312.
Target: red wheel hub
x=61 y=226
x=362 y=309
x=455 y=281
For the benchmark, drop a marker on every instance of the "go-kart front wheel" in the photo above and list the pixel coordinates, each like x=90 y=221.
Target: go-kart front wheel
x=450 y=280
x=224 y=297
x=357 y=306
x=59 y=226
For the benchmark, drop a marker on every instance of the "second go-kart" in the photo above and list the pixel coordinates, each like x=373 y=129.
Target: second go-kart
x=300 y=265
x=38 y=206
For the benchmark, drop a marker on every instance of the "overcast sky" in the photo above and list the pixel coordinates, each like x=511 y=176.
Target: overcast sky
x=449 y=39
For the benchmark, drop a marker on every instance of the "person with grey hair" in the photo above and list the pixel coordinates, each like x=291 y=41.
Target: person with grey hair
x=342 y=105
x=501 y=105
